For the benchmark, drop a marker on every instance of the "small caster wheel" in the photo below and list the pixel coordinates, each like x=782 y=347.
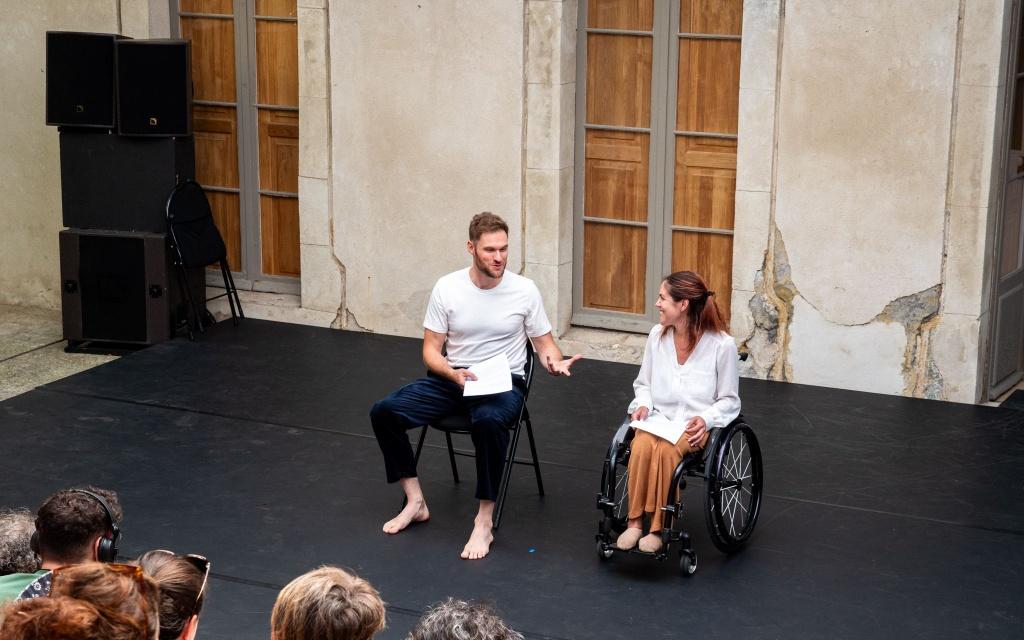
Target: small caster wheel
x=688 y=562
x=604 y=552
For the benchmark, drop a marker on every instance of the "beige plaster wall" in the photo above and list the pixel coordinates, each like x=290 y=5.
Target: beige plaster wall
x=863 y=191
x=30 y=214
x=426 y=120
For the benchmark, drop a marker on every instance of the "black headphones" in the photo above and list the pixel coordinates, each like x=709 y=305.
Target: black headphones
x=108 y=547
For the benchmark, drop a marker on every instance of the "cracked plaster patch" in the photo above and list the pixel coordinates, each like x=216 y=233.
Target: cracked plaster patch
x=823 y=352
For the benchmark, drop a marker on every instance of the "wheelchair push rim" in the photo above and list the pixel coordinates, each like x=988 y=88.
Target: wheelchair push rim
x=734 y=484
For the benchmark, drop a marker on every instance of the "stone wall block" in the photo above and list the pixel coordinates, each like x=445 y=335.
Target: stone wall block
x=750 y=239
x=543 y=139
x=973 y=146
x=566 y=180
x=954 y=349
x=865 y=357
x=314 y=225
x=985 y=33
x=314 y=129
x=965 y=262
x=567 y=38
x=544 y=21
x=542 y=216
x=555 y=285
x=312 y=53
x=313 y=4
x=756 y=140
x=760 y=45
x=863 y=150
x=321 y=278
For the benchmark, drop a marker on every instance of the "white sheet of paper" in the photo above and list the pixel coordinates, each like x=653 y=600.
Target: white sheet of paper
x=492 y=376
x=661 y=426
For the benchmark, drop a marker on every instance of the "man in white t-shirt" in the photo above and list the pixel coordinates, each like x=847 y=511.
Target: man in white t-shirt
x=481 y=312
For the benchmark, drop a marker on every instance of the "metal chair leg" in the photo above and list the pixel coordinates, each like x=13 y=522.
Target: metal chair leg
x=533 y=452
x=192 y=312
x=419 y=447
x=234 y=289
x=451 y=456
x=506 y=475
x=228 y=290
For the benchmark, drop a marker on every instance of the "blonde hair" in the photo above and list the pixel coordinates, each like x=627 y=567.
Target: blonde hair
x=327 y=604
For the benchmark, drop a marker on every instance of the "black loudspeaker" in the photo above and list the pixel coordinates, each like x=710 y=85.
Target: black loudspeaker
x=154 y=87
x=115 y=286
x=80 y=79
x=118 y=183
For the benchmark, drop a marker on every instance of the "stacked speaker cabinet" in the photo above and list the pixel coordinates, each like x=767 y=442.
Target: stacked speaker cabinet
x=123 y=108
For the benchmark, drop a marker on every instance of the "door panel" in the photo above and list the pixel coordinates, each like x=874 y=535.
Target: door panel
x=213 y=57
x=709 y=254
x=277 y=63
x=614 y=267
x=709 y=81
x=619 y=80
x=280 y=227
x=634 y=15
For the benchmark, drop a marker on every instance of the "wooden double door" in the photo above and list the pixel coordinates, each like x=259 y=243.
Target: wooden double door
x=657 y=111
x=246 y=128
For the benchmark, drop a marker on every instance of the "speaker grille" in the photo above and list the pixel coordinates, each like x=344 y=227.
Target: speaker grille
x=80 y=79
x=154 y=88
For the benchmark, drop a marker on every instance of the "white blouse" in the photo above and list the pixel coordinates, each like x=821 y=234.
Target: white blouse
x=707 y=385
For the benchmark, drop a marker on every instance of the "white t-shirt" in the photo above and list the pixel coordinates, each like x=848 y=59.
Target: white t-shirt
x=481 y=323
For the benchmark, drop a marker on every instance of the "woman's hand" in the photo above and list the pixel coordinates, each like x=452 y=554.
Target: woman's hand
x=639 y=414
x=696 y=429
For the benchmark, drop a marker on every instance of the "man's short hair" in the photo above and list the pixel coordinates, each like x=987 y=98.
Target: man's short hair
x=16 y=554
x=69 y=521
x=461 y=620
x=485 y=222
x=327 y=603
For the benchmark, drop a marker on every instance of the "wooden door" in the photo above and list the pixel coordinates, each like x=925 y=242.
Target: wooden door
x=658 y=122
x=1007 y=359
x=245 y=110
x=617 y=154
x=707 y=112
x=210 y=25
x=277 y=100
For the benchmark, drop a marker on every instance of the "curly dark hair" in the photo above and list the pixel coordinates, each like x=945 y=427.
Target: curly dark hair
x=461 y=620
x=69 y=521
x=16 y=554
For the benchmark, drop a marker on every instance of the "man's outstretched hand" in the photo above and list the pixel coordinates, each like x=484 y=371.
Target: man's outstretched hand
x=560 y=367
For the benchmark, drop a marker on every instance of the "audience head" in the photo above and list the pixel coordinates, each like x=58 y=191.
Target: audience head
x=16 y=554
x=327 y=604
x=461 y=620
x=64 y=618
x=702 y=311
x=182 y=581
x=71 y=524
x=126 y=596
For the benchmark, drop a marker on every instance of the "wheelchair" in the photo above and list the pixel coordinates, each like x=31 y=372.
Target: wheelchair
x=730 y=465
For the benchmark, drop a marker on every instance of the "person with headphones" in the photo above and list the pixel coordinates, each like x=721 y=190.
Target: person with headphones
x=72 y=526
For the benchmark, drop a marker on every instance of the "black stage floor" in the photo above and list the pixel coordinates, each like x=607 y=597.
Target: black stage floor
x=883 y=516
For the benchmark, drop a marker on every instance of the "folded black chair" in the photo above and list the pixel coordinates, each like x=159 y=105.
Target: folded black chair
x=459 y=423
x=198 y=244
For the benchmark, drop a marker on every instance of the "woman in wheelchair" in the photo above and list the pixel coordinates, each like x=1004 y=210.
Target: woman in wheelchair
x=689 y=375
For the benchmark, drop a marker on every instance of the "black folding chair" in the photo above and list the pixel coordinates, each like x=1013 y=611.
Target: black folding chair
x=459 y=423
x=198 y=244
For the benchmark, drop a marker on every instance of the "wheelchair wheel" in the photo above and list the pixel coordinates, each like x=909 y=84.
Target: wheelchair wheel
x=688 y=562
x=734 y=482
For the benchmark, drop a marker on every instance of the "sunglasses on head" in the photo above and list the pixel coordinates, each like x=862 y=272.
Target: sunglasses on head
x=199 y=562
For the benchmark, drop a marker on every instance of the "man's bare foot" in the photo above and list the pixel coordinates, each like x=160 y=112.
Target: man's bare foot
x=414 y=511
x=480 y=540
